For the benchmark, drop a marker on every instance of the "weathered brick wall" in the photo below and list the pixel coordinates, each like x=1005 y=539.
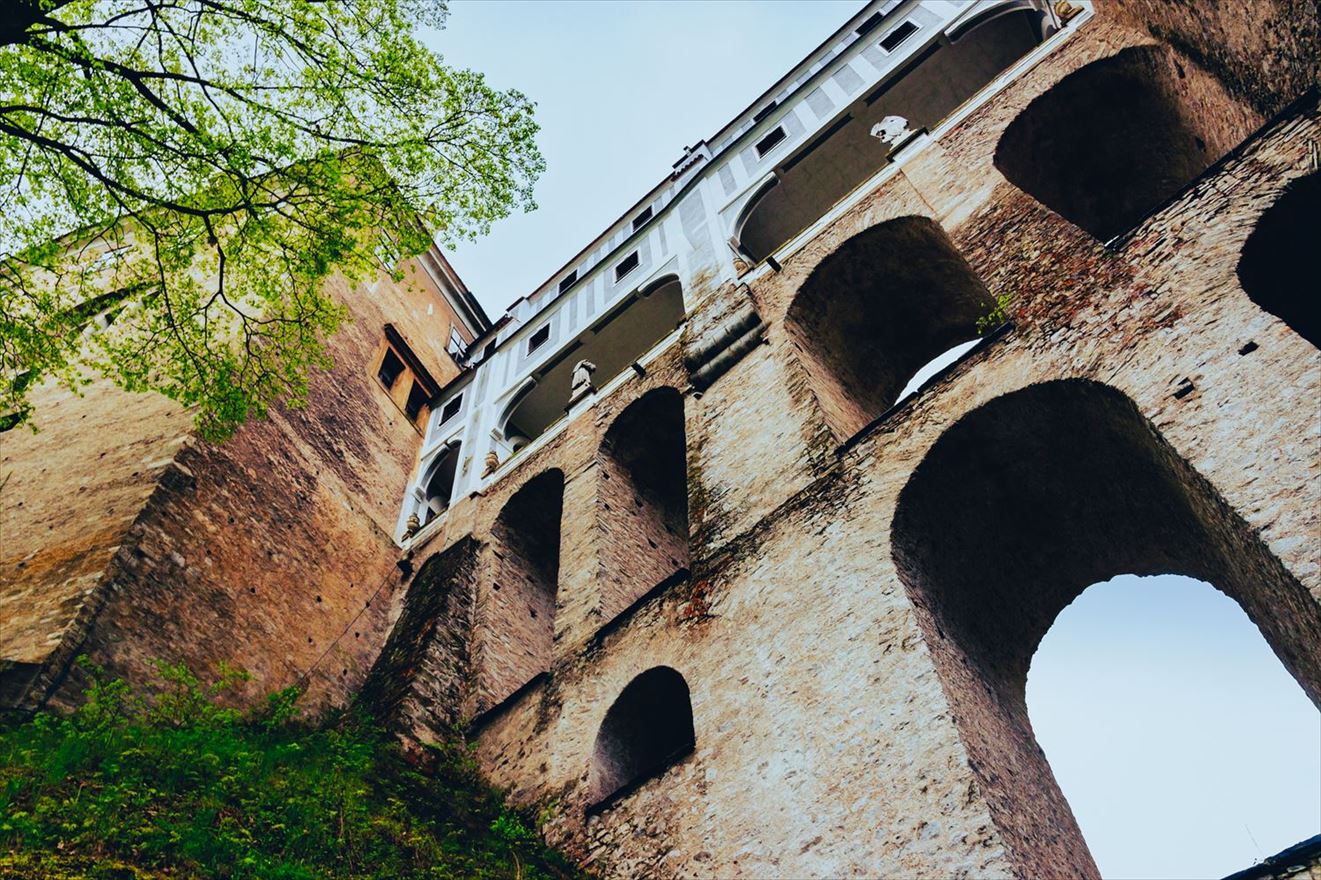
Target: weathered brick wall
x=642 y=508
x=69 y=496
x=423 y=676
x=835 y=732
x=1264 y=50
x=271 y=551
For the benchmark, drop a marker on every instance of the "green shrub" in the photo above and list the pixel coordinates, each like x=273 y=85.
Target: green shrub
x=184 y=785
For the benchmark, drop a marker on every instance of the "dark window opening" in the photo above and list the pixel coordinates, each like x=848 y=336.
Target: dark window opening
x=417 y=399
x=520 y=609
x=538 y=339
x=567 y=281
x=648 y=728
x=642 y=218
x=873 y=21
x=768 y=143
x=1116 y=139
x=391 y=368
x=451 y=409
x=891 y=41
x=1062 y=485
x=440 y=485
x=765 y=111
x=1277 y=268
x=626 y=265
x=645 y=537
x=875 y=311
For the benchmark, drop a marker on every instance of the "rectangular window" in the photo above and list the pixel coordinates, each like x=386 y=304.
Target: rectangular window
x=626 y=265
x=891 y=41
x=488 y=351
x=391 y=368
x=417 y=398
x=768 y=143
x=538 y=339
x=641 y=219
x=457 y=348
x=450 y=409
x=567 y=281
x=869 y=25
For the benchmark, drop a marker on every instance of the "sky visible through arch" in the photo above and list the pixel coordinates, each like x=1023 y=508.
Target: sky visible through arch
x=1182 y=744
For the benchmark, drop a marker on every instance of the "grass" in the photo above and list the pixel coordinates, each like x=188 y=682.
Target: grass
x=180 y=786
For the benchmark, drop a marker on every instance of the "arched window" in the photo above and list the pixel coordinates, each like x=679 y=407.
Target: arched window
x=648 y=728
x=439 y=484
x=844 y=155
x=1277 y=268
x=1139 y=689
x=1113 y=140
x=613 y=343
x=1016 y=509
x=643 y=503
x=879 y=308
x=518 y=613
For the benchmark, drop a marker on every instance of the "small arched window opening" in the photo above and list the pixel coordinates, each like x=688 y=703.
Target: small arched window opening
x=1017 y=509
x=643 y=503
x=518 y=617
x=1114 y=140
x=844 y=155
x=440 y=485
x=873 y=313
x=1277 y=268
x=1140 y=686
x=647 y=729
x=614 y=342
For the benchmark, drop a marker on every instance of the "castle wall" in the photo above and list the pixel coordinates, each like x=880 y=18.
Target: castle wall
x=835 y=734
x=271 y=551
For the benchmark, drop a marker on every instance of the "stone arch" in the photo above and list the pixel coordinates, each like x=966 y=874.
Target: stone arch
x=873 y=312
x=1015 y=510
x=813 y=177
x=1112 y=141
x=643 y=499
x=438 y=484
x=519 y=615
x=1277 y=267
x=648 y=728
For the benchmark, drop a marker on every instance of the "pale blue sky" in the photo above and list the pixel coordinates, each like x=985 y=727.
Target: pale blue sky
x=621 y=89
x=1183 y=746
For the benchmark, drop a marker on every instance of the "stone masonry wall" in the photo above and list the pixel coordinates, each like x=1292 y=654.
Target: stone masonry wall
x=271 y=551
x=832 y=738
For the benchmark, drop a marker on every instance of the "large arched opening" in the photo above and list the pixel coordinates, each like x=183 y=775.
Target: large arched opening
x=613 y=343
x=519 y=610
x=648 y=728
x=438 y=484
x=1139 y=689
x=1115 y=139
x=876 y=310
x=1019 y=507
x=942 y=76
x=1277 y=268
x=643 y=499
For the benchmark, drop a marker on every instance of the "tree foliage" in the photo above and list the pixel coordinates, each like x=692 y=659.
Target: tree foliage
x=179 y=179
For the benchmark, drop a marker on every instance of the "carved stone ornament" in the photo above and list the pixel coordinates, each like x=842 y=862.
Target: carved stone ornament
x=492 y=462
x=413 y=525
x=582 y=381
x=892 y=130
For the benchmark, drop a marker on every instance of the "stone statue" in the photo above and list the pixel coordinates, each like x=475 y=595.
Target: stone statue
x=892 y=130
x=582 y=381
x=492 y=462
